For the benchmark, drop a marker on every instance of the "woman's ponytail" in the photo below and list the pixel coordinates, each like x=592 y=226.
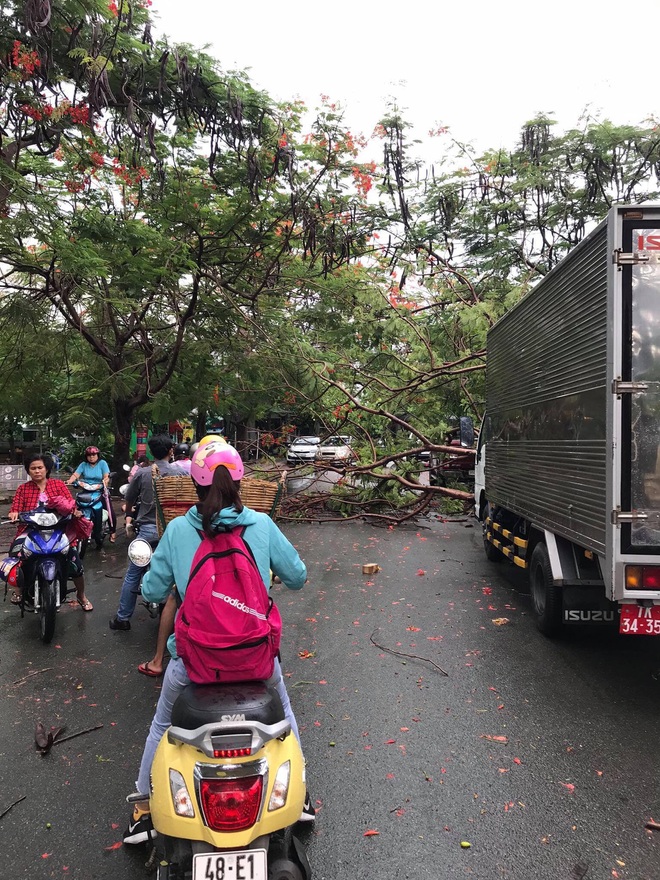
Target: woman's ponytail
x=223 y=492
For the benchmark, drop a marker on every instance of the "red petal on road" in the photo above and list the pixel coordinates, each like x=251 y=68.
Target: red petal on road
x=517 y=761
x=371 y=833
x=569 y=786
x=497 y=739
x=420 y=572
x=117 y=845
x=46 y=855
x=389 y=742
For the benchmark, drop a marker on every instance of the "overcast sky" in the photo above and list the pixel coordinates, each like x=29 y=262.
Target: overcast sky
x=482 y=68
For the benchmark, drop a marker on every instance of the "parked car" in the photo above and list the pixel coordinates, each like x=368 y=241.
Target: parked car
x=336 y=450
x=302 y=449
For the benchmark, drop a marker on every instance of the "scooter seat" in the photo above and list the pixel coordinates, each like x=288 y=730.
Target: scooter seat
x=206 y=704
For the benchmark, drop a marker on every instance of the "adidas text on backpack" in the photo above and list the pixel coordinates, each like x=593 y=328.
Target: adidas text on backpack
x=228 y=628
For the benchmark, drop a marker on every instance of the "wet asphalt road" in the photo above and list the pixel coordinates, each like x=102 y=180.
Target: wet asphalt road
x=393 y=745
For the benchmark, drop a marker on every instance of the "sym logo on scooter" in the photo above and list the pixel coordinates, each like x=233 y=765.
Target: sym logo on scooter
x=240 y=716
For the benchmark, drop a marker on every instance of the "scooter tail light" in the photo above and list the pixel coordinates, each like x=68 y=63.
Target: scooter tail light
x=280 y=787
x=232 y=753
x=183 y=805
x=231 y=804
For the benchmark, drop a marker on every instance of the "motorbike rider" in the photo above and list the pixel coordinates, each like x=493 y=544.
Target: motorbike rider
x=55 y=495
x=142 y=487
x=131 y=512
x=94 y=469
x=182 y=456
x=216 y=470
x=141 y=461
x=155 y=667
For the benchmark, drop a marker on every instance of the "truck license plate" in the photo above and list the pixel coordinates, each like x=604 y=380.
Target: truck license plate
x=638 y=621
x=246 y=864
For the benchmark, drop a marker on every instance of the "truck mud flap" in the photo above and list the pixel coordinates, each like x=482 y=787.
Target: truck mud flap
x=509 y=545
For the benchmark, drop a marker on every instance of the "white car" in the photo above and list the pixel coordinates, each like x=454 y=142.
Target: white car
x=336 y=449
x=302 y=449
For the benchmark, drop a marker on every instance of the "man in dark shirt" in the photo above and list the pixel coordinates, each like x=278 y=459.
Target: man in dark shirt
x=142 y=487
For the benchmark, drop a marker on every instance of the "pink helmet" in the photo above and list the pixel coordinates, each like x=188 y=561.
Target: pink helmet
x=211 y=453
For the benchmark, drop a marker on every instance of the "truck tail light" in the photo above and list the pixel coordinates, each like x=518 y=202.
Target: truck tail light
x=231 y=804
x=642 y=577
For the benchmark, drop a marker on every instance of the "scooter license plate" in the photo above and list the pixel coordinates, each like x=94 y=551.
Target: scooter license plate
x=246 y=864
x=638 y=621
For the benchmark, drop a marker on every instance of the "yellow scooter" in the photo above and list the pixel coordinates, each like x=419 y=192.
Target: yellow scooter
x=227 y=784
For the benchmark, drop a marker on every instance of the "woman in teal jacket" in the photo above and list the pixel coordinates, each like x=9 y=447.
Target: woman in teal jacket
x=216 y=470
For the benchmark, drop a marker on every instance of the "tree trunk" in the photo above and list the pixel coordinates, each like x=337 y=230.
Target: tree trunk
x=123 y=413
x=200 y=425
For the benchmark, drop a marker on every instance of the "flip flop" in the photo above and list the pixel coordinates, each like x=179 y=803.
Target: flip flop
x=112 y=538
x=145 y=669
x=86 y=605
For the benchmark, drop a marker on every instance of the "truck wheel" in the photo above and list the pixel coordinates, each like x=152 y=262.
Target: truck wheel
x=546 y=596
x=491 y=551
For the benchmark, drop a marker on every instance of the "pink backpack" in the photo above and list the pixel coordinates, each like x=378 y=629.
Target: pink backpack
x=228 y=628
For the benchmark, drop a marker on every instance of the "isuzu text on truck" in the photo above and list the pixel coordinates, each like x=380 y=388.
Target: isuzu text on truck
x=567 y=475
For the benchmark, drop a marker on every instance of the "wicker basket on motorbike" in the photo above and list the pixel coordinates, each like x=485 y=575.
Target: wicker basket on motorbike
x=174 y=496
x=262 y=495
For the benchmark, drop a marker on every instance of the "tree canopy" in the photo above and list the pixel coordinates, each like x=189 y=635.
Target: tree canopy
x=173 y=241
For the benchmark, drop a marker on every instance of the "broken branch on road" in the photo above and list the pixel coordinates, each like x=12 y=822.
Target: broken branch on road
x=45 y=740
x=11 y=806
x=402 y=654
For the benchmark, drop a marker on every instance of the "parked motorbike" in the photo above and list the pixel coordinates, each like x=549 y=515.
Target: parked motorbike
x=46 y=540
x=227 y=785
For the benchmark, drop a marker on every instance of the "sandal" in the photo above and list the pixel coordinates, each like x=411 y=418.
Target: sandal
x=145 y=669
x=86 y=605
x=15 y=598
x=112 y=538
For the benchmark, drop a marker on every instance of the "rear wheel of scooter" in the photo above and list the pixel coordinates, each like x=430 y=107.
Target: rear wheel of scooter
x=284 y=869
x=287 y=859
x=48 y=591
x=546 y=595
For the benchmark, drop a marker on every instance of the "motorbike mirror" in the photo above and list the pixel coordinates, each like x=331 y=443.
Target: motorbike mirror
x=140 y=552
x=123 y=490
x=127 y=468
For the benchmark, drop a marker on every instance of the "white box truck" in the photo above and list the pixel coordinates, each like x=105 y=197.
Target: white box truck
x=567 y=474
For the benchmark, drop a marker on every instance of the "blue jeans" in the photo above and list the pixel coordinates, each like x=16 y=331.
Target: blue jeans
x=131 y=586
x=174 y=681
